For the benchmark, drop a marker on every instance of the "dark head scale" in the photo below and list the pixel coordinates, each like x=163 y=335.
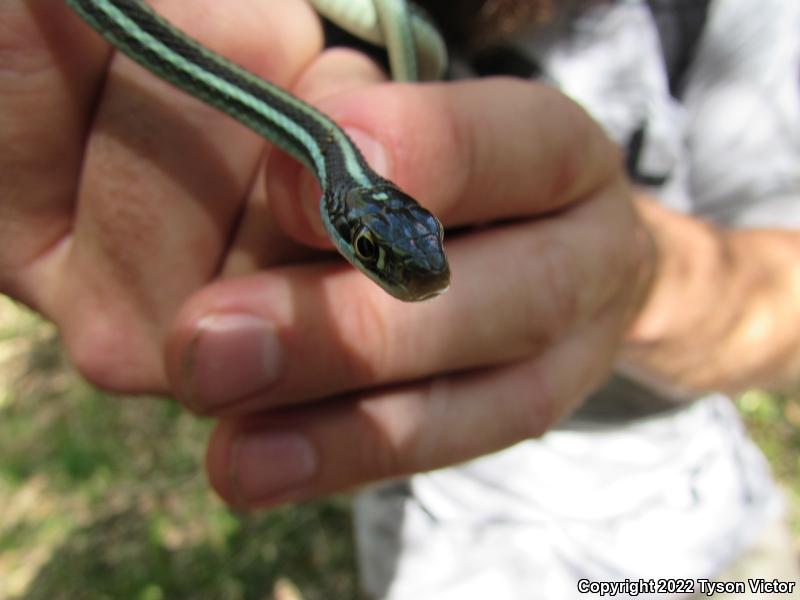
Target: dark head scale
x=387 y=235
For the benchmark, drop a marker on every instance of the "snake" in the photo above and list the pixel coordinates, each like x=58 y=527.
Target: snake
x=377 y=227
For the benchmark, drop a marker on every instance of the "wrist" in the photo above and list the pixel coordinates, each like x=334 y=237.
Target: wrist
x=680 y=319
x=684 y=272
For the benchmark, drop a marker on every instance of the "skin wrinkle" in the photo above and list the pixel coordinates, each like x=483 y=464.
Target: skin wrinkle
x=171 y=163
x=716 y=324
x=154 y=308
x=629 y=260
x=484 y=160
x=391 y=429
x=93 y=341
x=459 y=140
x=493 y=162
x=143 y=222
x=438 y=398
x=602 y=154
x=237 y=222
x=624 y=264
x=607 y=324
x=346 y=352
x=365 y=328
x=555 y=264
x=539 y=410
x=732 y=265
x=723 y=322
x=443 y=394
x=656 y=340
x=646 y=263
x=490 y=162
x=761 y=283
x=562 y=186
x=404 y=104
x=52 y=49
x=27 y=53
x=570 y=185
x=392 y=107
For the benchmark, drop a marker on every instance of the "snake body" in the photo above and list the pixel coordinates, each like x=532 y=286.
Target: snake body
x=377 y=227
x=415 y=46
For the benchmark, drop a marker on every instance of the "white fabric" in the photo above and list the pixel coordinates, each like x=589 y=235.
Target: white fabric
x=680 y=494
x=676 y=496
x=744 y=97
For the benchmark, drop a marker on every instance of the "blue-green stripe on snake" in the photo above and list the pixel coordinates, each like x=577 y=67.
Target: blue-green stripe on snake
x=378 y=228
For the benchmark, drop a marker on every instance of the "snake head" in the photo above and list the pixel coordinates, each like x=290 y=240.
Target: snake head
x=388 y=236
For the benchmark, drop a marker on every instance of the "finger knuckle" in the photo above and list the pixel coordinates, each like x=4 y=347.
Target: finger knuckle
x=449 y=141
x=365 y=335
x=552 y=299
x=630 y=255
x=22 y=51
x=458 y=140
x=104 y=353
x=538 y=409
x=385 y=440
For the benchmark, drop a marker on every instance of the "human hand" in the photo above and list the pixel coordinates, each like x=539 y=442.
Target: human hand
x=321 y=381
x=121 y=195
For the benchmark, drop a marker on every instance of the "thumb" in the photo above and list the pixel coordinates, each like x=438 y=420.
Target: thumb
x=293 y=190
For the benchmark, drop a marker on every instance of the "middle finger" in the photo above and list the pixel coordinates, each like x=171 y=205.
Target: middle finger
x=306 y=332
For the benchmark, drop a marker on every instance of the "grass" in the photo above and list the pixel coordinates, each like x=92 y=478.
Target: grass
x=774 y=423
x=105 y=498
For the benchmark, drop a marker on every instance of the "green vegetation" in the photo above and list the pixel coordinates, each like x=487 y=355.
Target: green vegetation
x=774 y=423
x=106 y=498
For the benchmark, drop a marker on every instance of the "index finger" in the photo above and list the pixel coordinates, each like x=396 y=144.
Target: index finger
x=535 y=151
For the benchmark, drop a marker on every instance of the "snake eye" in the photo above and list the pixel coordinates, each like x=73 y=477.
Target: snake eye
x=364 y=245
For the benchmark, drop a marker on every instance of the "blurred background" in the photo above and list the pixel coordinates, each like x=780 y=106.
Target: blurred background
x=105 y=497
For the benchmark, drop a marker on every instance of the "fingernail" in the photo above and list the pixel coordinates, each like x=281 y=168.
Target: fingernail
x=232 y=356
x=375 y=155
x=267 y=466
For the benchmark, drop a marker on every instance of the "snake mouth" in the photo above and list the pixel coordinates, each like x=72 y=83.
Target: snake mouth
x=432 y=294
x=426 y=286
